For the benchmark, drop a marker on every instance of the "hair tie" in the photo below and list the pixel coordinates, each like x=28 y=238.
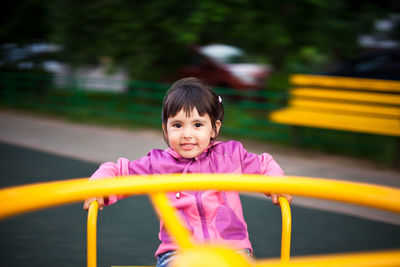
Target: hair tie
x=219 y=99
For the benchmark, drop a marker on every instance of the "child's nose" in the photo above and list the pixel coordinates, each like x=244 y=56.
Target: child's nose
x=187 y=132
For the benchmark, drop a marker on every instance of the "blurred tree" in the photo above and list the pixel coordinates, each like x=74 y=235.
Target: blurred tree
x=144 y=36
x=23 y=21
x=150 y=37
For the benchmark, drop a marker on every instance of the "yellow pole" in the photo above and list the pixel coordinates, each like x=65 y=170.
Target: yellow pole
x=172 y=222
x=286 y=229
x=92 y=234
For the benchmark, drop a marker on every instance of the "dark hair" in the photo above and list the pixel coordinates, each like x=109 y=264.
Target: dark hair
x=189 y=93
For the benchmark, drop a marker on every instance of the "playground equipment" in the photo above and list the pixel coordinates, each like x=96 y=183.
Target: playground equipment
x=191 y=254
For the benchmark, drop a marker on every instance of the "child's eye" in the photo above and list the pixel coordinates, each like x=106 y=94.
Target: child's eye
x=197 y=125
x=177 y=125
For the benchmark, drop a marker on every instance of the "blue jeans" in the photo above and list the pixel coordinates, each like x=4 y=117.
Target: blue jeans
x=164 y=258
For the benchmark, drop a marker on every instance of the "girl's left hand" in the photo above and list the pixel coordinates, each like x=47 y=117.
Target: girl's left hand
x=275 y=197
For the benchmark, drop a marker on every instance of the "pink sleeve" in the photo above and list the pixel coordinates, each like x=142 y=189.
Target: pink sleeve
x=269 y=166
x=111 y=170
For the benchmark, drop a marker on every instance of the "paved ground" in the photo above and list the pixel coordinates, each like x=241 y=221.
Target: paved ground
x=99 y=144
x=36 y=149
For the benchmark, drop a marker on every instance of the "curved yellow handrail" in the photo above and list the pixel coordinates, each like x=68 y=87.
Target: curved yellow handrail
x=92 y=234
x=26 y=198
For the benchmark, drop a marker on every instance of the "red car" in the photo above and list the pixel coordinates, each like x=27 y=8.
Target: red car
x=224 y=66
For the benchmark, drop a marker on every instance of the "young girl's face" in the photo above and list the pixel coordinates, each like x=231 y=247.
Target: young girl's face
x=190 y=135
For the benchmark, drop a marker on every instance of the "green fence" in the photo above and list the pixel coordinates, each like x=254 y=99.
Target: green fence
x=139 y=105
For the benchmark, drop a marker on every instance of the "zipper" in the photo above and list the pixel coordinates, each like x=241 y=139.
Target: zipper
x=202 y=214
x=199 y=205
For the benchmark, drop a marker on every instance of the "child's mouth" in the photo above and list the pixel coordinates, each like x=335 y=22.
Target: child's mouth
x=187 y=146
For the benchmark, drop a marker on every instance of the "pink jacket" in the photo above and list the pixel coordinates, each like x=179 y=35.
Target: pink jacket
x=209 y=215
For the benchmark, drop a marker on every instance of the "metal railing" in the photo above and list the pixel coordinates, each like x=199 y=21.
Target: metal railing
x=26 y=198
x=178 y=231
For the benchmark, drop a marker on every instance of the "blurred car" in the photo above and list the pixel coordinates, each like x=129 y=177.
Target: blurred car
x=378 y=64
x=223 y=66
x=44 y=58
x=31 y=57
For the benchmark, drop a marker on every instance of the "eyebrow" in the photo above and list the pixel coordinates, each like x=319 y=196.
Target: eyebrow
x=200 y=120
x=174 y=121
x=194 y=121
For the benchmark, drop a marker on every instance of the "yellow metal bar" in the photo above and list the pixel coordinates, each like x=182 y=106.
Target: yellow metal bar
x=19 y=199
x=345 y=82
x=393 y=99
x=286 y=229
x=171 y=221
x=92 y=234
x=390 y=258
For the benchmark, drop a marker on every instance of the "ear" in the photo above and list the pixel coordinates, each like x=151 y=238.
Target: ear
x=164 y=130
x=218 y=125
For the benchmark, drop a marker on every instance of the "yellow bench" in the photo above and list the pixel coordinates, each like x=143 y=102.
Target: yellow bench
x=340 y=103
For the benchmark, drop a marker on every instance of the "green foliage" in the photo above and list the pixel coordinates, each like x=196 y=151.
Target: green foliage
x=307 y=60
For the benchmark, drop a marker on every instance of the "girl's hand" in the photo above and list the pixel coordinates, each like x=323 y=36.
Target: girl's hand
x=275 y=197
x=99 y=200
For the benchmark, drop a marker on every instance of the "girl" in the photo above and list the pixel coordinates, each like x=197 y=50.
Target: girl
x=192 y=116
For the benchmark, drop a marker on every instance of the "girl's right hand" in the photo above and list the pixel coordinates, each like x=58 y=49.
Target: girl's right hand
x=99 y=200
